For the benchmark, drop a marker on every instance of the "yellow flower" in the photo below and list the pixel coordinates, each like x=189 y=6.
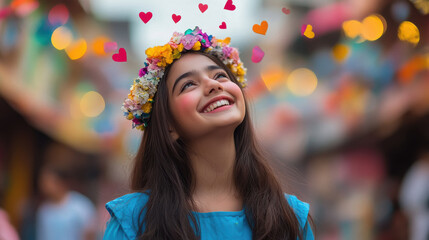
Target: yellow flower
x=147 y=107
x=130 y=96
x=140 y=127
x=180 y=47
x=130 y=116
x=240 y=70
x=197 y=46
x=224 y=41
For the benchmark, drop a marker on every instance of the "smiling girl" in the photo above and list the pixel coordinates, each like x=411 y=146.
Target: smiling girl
x=199 y=172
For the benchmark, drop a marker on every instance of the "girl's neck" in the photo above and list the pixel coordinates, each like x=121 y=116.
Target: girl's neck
x=213 y=160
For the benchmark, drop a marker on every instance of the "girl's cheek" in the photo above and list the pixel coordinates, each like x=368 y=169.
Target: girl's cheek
x=184 y=104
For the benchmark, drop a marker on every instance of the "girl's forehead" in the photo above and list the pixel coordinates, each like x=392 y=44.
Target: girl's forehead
x=187 y=63
x=191 y=61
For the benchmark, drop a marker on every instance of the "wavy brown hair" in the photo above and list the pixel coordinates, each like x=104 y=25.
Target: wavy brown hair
x=162 y=166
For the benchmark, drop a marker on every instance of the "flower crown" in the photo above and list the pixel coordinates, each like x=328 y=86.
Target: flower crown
x=138 y=106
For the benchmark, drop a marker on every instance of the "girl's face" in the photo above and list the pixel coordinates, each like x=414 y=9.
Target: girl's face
x=203 y=99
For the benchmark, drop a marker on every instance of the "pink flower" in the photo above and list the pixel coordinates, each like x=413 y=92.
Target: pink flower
x=189 y=41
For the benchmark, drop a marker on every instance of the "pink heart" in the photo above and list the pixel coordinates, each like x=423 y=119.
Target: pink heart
x=285 y=10
x=145 y=17
x=202 y=7
x=121 y=56
x=110 y=46
x=222 y=26
x=257 y=54
x=229 y=5
x=176 y=18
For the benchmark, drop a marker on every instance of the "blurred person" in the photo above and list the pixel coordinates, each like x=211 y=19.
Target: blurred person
x=414 y=197
x=7 y=231
x=65 y=214
x=199 y=172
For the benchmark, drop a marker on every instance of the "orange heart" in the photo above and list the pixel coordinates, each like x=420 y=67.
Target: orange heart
x=261 y=29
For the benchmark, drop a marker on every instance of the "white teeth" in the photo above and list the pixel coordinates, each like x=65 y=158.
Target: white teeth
x=216 y=105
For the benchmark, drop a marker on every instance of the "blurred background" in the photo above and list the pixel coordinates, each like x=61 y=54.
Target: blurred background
x=340 y=99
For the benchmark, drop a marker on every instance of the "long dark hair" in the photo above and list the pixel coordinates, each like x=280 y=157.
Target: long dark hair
x=162 y=166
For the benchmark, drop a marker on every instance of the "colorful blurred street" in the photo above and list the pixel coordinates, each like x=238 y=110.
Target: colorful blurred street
x=339 y=93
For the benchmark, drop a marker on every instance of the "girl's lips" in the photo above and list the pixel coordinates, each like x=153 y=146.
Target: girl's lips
x=220 y=109
x=217 y=99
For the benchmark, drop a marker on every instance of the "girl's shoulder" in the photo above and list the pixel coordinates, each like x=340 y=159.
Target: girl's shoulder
x=125 y=212
x=300 y=208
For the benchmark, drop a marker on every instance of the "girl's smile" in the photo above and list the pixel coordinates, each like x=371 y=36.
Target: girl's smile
x=203 y=97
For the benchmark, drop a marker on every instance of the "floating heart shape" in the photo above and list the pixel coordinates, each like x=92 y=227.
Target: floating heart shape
x=145 y=17
x=222 y=26
x=176 y=18
x=202 y=7
x=110 y=46
x=285 y=10
x=307 y=30
x=121 y=56
x=257 y=54
x=229 y=5
x=261 y=29
x=77 y=49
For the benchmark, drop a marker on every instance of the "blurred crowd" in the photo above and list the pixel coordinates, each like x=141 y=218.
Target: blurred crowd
x=344 y=114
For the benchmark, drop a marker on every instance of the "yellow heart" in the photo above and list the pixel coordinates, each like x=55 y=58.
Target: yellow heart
x=309 y=32
x=77 y=49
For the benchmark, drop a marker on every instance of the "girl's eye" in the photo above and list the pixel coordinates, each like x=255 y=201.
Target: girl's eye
x=186 y=85
x=221 y=75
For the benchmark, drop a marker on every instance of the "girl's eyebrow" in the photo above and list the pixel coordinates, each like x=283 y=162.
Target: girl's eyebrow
x=193 y=72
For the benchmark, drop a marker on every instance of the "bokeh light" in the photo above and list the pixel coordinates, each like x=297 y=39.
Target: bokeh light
x=400 y=11
x=372 y=28
x=24 y=7
x=61 y=38
x=273 y=77
x=409 y=32
x=352 y=28
x=340 y=52
x=77 y=49
x=92 y=104
x=302 y=82
x=59 y=14
x=98 y=45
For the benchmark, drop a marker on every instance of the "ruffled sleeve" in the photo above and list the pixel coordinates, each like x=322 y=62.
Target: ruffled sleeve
x=301 y=210
x=124 y=216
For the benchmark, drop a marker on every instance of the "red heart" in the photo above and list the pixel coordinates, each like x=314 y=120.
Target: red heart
x=121 y=56
x=229 y=5
x=222 y=26
x=176 y=18
x=145 y=17
x=285 y=10
x=202 y=7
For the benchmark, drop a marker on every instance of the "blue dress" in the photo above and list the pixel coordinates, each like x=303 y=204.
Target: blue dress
x=125 y=210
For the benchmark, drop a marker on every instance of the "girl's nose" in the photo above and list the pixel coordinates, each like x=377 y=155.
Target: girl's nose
x=212 y=85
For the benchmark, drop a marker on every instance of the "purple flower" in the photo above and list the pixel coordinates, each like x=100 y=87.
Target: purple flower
x=142 y=71
x=206 y=43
